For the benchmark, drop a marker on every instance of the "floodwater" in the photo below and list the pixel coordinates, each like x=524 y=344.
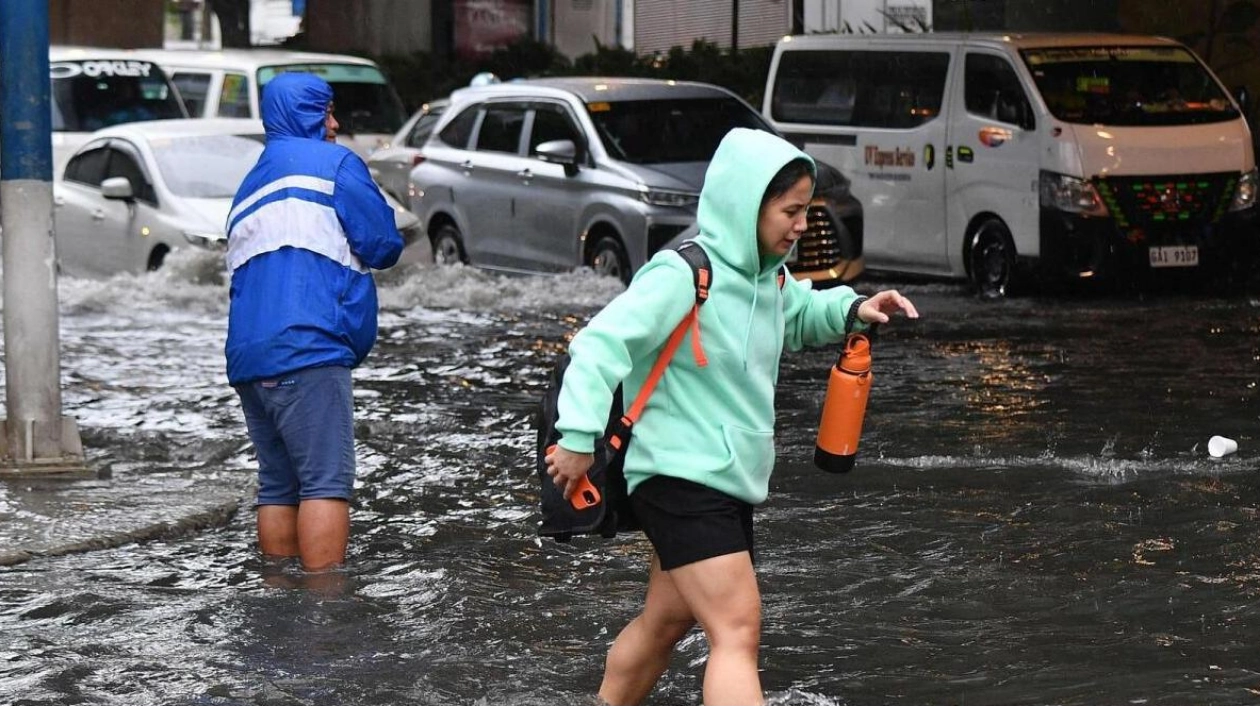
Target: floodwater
x=1034 y=517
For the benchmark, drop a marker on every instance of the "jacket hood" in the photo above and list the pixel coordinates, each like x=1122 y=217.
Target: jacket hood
x=741 y=169
x=294 y=105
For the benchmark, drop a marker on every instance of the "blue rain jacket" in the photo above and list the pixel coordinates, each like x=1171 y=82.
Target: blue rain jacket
x=306 y=226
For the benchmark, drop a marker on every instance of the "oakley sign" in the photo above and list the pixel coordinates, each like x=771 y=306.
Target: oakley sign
x=94 y=69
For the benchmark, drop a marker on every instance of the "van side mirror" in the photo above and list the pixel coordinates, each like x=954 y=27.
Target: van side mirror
x=1243 y=96
x=117 y=188
x=559 y=152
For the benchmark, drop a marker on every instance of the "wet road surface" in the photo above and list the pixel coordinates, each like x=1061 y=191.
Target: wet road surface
x=1033 y=518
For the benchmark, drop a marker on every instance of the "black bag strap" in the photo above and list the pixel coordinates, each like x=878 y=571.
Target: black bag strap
x=701 y=268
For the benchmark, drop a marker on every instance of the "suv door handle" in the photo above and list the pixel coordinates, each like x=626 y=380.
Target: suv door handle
x=467 y=165
x=525 y=174
x=98 y=215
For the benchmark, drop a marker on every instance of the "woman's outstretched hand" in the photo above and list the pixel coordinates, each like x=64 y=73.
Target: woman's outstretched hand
x=882 y=305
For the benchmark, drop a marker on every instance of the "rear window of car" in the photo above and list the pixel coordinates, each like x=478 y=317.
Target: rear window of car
x=458 y=132
x=206 y=166
x=669 y=130
x=90 y=95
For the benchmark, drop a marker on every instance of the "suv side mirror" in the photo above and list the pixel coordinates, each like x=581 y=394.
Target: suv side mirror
x=559 y=152
x=117 y=188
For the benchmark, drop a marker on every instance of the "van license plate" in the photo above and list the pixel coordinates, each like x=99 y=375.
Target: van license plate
x=1174 y=256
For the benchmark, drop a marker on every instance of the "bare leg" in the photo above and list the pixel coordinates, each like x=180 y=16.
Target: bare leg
x=323 y=530
x=722 y=593
x=641 y=652
x=278 y=531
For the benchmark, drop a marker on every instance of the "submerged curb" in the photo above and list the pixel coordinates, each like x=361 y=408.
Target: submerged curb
x=212 y=517
x=49 y=518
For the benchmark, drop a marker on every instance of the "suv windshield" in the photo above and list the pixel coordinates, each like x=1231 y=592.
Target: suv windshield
x=206 y=166
x=1128 y=86
x=661 y=131
x=364 y=100
x=90 y=95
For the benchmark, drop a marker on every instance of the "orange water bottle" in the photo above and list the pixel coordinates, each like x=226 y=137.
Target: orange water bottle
x=845 y=406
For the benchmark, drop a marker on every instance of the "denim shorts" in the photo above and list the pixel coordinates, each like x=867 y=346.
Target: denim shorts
x=302 y=427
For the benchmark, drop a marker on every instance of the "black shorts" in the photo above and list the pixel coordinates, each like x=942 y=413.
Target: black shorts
x=688 y=522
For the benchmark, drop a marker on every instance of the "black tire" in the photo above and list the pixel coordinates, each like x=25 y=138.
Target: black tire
x=448 y=246
x=608 y=257
x=991 y=260
x=156 y=258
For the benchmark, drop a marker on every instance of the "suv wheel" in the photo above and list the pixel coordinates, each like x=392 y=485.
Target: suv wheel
x=156 y=258
x=608 y=258
x=448 y=246
x=991 y=260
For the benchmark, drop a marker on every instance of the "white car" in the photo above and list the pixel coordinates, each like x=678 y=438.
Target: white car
x=134 y=193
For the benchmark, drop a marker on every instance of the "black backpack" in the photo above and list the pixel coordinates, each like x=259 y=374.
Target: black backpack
x=610 y=512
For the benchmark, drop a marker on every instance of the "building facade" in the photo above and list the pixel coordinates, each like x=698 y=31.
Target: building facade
x=127 y=24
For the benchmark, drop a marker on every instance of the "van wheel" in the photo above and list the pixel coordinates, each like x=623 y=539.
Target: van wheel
x=608 y=258
x=991 y=260
x=156 y=258
x=448 y=246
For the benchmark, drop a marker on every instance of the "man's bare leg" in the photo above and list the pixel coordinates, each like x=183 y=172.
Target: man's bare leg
x=278 y=531
x=323 y=531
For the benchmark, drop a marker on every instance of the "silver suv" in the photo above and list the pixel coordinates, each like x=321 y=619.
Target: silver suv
x=546 y=175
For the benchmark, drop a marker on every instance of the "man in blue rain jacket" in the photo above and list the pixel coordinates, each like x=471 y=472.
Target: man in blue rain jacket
x=306 y=226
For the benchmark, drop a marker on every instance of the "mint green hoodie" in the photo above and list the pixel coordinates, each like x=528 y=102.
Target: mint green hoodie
x=712 y=425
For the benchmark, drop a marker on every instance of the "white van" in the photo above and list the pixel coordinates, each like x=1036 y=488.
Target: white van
x=95 y=88
x=228 y=83
x=994 y=156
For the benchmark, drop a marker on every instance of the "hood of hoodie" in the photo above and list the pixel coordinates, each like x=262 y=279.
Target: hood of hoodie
x=730 y=202
x=294 y=105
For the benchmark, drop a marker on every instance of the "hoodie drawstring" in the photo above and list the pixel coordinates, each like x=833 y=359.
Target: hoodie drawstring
x=752 y=312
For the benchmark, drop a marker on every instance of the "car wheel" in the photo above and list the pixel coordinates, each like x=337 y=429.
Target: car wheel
x=156 y=258
x=608 y=258
x=991 y=260
x=448 y=246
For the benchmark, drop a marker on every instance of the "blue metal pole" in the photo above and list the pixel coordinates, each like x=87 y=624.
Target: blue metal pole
x=543 y=25
x=35 y=434
x=26 y=131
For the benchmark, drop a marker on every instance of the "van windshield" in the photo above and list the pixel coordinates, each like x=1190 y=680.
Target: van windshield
x=675 y=130
x=90 y=95
x=365 y=101
x=1128 y=86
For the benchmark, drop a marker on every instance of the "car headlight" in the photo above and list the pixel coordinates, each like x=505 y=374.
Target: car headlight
x=207 y=240
x=666 y=197
x=1070 y=194
x=1245 y=194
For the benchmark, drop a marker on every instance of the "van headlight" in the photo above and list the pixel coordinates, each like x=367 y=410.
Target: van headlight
x=1070 y=194
x=1245 y=194
x=207 y=240
x=666 y=197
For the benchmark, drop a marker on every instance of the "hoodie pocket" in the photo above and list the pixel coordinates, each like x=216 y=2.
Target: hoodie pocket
x=751 y=456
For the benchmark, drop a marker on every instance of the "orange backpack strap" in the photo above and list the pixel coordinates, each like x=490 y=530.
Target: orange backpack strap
x=702 y=273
